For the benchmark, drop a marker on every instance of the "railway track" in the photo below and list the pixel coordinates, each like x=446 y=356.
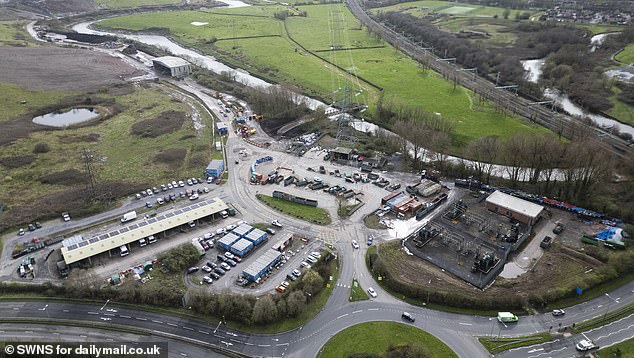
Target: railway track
x=560 y=123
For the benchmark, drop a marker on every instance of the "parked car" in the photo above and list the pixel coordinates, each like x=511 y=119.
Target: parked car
x=285 y=284
x=232 y=263
x=219 y=271
x=230 y=227
x=138 y=196
x=155 y=190
x=193 y=196
x=370 y=240
x=206 y=269
x=546 y=242
x=291 y=277
x=270 y=231
x=192 y=269
x=214 y=275
x=305 y=264
x=210 y=180
x=148 y=204
x=558 y=228
x=229 y=255
x=276 y=223
x=170 y=186
x=296 y=273
x=181 y=183
x=407 y=316
x=221 y=231
x=163 y=187
x=189 y=182
x=194 y=181
x=225 y=266
x=207 y=280
x=211 y=264
x=372 y=292
x=160 y=201
x=221 y=258
x=585 y=345
x=311 y=259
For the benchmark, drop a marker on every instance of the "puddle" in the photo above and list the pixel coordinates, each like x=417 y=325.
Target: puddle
x=68 y=118
x=512 y=270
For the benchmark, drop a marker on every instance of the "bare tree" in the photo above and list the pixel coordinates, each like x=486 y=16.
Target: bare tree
x=484 y=152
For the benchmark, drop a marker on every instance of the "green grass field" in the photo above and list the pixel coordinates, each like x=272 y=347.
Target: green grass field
x=357 y=293
x=497 y=345
x=118 y=4
x=621 y=111
x=376 y=337
x=13 y=33
x=627 y=55
x=16 y=100
x=500 y=31
x=623 y=349
x=300 y=211
x=421 y=8
x=279 y=59
x=126 y=157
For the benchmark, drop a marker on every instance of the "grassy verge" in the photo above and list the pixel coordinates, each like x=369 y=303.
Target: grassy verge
x=594 y=292
x=356 y=292
x=309 y=213
x=623 y=349
x=92 y=325
x=118 y=4
x=604 y=318
x=497 y=345
x=378 y=337
x=373 y=222
x=627 y=55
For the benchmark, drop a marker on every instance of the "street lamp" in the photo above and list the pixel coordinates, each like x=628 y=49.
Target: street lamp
x=607 y=307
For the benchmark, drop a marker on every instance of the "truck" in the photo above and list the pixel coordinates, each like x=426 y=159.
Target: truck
x=124 y=251
x=198 y=247
x=129 y=216
x=507 y=317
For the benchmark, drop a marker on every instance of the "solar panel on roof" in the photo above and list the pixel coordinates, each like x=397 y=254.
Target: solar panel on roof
x=83 y=243
x=151 y=221
x=162 y=217
x=72 y=247
x=169 y=215
x=143 y=223
x=104 y=236
x=132 y=227
x=179 y=211
x=195 y=206
x=125 y=229
x=186 y=209
x=114 y=233
x=94 y=239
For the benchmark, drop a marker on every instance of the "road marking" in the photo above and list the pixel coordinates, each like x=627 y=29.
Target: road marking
x=108 y=314
x=264 y=345
x=56 y=333
x=248 y=344
x=93 y=313
x=83 y=336
x=373 y=309
x=122 y=316
x=16 y=309
x=155 y=321
x=171 y=324
x=189 y=329
x=65 y=311
x=535 y=350
x=141 y=318
x=282 y=344
x=203 y=332
x=359 y=311
x=234 y=340
x=183 y=354
x=343 y=315
x=28 y=331
x=465 y=324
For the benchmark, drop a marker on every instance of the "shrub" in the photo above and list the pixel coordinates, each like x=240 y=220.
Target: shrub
x=42 y=147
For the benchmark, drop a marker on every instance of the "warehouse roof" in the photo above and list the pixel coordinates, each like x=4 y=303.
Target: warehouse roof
x=220 y=125
x=515 y=204
x=242 y=229
x=228 y=239
x=264 y=261
x=215 y=164
x=75 y=250
x=171 y=61
x=343 y=150
x=255 y=234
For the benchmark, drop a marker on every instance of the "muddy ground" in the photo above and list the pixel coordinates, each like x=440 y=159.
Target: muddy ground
x=52 y=68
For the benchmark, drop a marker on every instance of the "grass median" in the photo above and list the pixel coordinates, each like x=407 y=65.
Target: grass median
x=305 y=212
x=497 y=345
x=356 y=292
x=379 y=339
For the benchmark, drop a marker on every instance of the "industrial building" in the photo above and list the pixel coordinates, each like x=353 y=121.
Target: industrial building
x=256 y=236
x=514 y=207
x=262 y=265
x=215 y=168
x=401 y=202
x=226 y=241
x=241 y=247
x=242 y=230
x=222 y=128
x=78 y=248
x=342 y=153
x=283 y=243
x=173 y=66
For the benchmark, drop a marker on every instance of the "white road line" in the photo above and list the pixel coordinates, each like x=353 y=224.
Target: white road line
x=16 y=309
x=83 y=336
x=155 y=321
x=373 y=309
x=203 y=332
x=189 y=329
x=172 y=324
x=343 y=315
x=234 y=340
x=93 y=313
x=465 y=324
x=541 y=354
x=28 y=331
x=109 y=314
x=264 y=345
x=359 y=311
x=65 y=311
x=248 y=344
x=141 y=318
x=282 y=344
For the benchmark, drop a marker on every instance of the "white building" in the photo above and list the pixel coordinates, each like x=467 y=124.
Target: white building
x=173 y=66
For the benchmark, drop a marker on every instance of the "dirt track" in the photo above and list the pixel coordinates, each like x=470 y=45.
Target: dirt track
x=52 y=68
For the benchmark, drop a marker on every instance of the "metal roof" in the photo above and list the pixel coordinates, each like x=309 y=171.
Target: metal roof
x=242 y=244
x=228 y=239
x=221 y=125
x=171 y=61
x=255 y=234
x=216 y=164
x=515 y=204
x=265 y=260
x=343 y=150
x=123 y=235
x=242 y=230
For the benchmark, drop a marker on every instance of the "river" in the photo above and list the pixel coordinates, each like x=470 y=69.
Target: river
x=534 y=71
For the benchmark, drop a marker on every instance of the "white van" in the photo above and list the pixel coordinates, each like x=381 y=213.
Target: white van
x=124 y=250
x=151 y=239
x=142 y=242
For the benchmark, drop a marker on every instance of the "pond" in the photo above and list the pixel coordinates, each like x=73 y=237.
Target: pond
x=68 y=118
